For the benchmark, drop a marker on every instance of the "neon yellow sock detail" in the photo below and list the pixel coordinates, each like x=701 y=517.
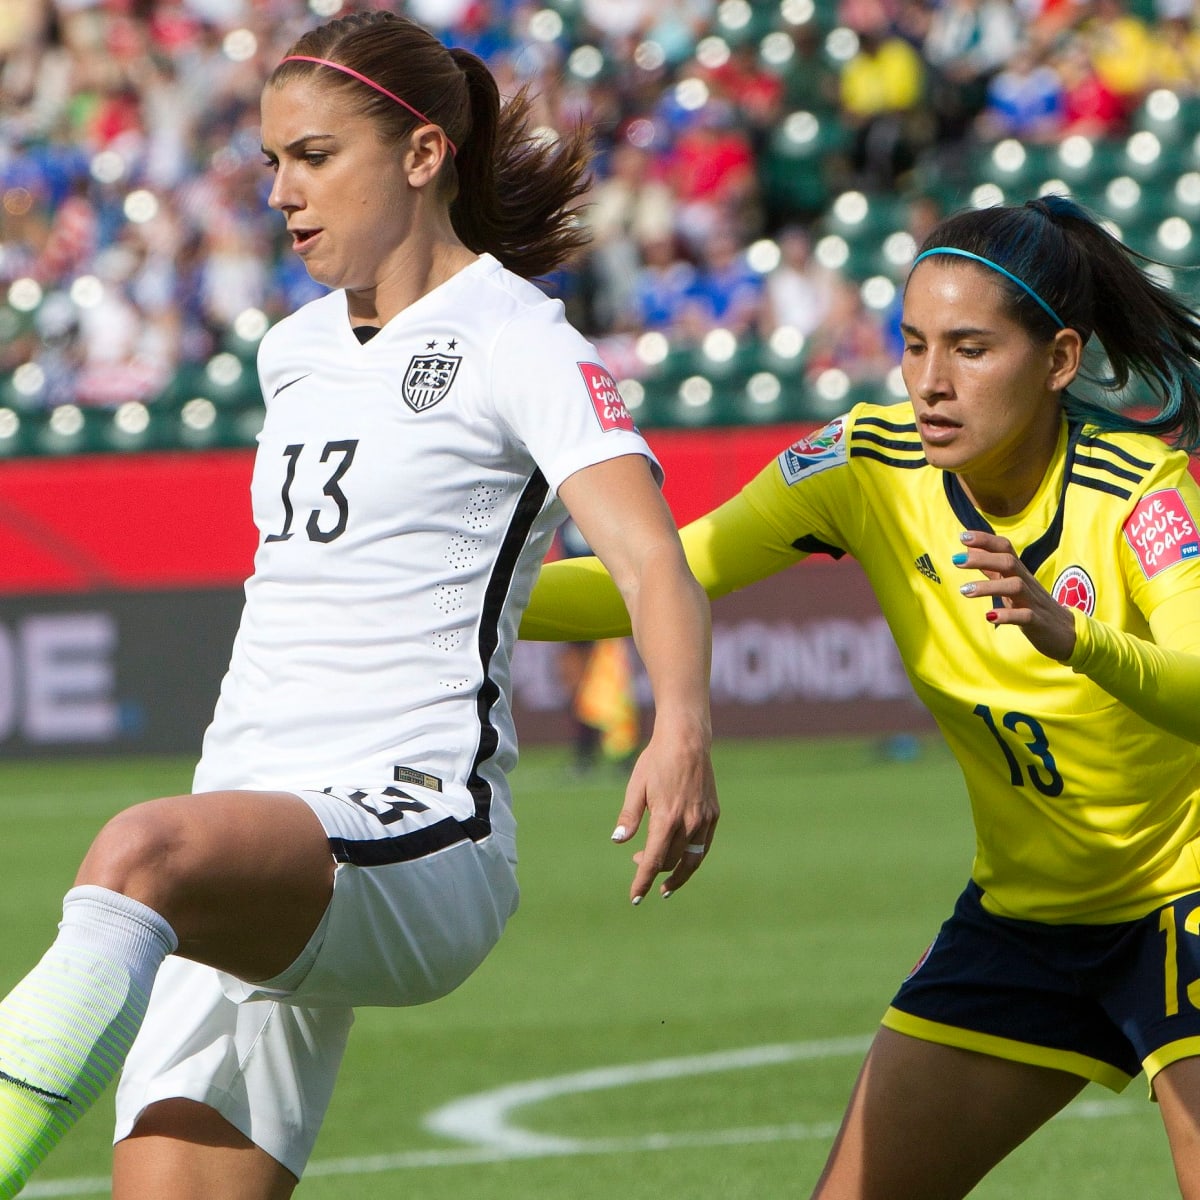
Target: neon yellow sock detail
x=65 y=1030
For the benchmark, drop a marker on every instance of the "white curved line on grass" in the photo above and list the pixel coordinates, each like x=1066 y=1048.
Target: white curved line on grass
x=483 y=1119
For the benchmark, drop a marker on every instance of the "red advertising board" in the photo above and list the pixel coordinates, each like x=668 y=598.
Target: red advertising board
x=152 y=521
x=121 y=575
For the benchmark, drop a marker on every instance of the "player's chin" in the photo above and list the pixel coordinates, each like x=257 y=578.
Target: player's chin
x=321 y=273
x=947 y=456
x=940 y=457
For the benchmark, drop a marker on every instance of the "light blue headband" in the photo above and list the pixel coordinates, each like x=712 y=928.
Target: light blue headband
x=987 y=262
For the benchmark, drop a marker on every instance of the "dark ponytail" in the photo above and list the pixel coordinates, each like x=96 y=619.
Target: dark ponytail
x=511 y=192
x=1096 y=285
x=517 y=190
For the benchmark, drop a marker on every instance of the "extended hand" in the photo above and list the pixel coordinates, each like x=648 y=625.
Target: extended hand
x=1023 y=601
x=673 y=781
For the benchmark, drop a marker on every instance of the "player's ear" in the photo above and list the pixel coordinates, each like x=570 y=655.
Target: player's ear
x=428 y=149
x=1066 y=356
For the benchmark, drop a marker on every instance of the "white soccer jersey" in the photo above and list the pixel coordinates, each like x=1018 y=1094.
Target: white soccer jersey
x=405 y=494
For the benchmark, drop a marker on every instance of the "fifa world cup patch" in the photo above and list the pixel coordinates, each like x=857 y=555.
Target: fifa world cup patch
x=606 y=398
x=813 y=454
x=1074 y=589
x=1162 y=531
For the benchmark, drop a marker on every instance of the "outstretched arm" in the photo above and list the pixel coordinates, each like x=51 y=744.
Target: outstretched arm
x=576 y=600
x=621 y=513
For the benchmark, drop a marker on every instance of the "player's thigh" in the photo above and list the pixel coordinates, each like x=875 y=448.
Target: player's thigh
x=187 y=1151
x=243 y=877
x=927 y=1121
x=1177 y=1090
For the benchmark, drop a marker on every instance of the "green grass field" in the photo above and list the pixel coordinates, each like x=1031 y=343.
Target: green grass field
x=703 y=1046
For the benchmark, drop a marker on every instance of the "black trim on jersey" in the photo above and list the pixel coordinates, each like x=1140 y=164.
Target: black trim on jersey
x=1099 y=464
x=1092 y=440
x=1098 y=485
x=811 y=544
x=864 y=435
x=863 y=431
x=407 y=847
x=890 y=426
x=528 y=507
x=1039 y=550
x=907 y=464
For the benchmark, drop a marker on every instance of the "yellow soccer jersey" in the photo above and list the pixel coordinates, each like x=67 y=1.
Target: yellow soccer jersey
x=1084 y=811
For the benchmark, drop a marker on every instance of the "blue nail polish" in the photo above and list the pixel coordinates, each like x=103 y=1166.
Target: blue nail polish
x=958 y=559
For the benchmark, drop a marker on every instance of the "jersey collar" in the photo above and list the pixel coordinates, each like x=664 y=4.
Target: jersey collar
x=1042 y=547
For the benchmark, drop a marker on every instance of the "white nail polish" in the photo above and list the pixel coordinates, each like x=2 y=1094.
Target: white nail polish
x=619 y=834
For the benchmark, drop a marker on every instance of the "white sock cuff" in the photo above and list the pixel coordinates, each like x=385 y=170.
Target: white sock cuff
x=97 y=911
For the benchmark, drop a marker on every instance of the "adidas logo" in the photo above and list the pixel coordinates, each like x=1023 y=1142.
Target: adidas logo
x=924 y=564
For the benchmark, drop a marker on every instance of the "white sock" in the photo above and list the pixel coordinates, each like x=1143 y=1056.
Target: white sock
x=66 y=1028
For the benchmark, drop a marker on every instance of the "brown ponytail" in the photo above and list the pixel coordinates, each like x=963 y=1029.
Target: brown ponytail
x=517 y=190
x=511 y=192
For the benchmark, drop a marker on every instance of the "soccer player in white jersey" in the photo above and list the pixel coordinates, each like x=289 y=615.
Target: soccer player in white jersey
x=1037 y=556
x=351 y=840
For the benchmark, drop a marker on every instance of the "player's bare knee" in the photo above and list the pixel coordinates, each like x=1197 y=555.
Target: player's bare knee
x=140 y=853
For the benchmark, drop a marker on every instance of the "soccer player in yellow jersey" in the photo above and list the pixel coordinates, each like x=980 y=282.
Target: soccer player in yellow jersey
x=1037 y=557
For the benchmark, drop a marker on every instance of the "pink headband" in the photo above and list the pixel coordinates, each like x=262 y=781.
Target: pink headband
x=345 y=70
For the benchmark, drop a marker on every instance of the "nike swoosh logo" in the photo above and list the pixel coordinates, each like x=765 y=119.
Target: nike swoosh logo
x=29 y=1087
x=285 y=386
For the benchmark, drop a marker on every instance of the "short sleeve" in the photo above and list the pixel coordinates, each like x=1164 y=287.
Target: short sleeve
x=560 y=401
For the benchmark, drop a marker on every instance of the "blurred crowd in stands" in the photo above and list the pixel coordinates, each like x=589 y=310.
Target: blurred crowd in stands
x=135 y=239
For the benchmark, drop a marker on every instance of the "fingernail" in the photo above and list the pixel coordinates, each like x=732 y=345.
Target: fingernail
x=967 y=536
x=667 y=895
x=958 y=559
x=619 y=834
x=636 y=901
x=967 y=589
x=992 y=615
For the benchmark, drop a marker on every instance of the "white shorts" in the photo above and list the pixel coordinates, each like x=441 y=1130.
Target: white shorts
x=405 y=930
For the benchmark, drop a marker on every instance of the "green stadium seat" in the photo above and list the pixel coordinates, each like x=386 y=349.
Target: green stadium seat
x=1127 y=201
x=14 y=433
x=1174 y=117
x=1017 y=169
x=693 y=403
x=796 y=168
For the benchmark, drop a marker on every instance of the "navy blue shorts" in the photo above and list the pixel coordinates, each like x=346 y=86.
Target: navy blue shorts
x=1101 y=1001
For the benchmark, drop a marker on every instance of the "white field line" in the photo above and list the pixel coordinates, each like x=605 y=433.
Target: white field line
x=482 y=1120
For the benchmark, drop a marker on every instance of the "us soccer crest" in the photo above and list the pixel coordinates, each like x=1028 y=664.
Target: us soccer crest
x=428 y=379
